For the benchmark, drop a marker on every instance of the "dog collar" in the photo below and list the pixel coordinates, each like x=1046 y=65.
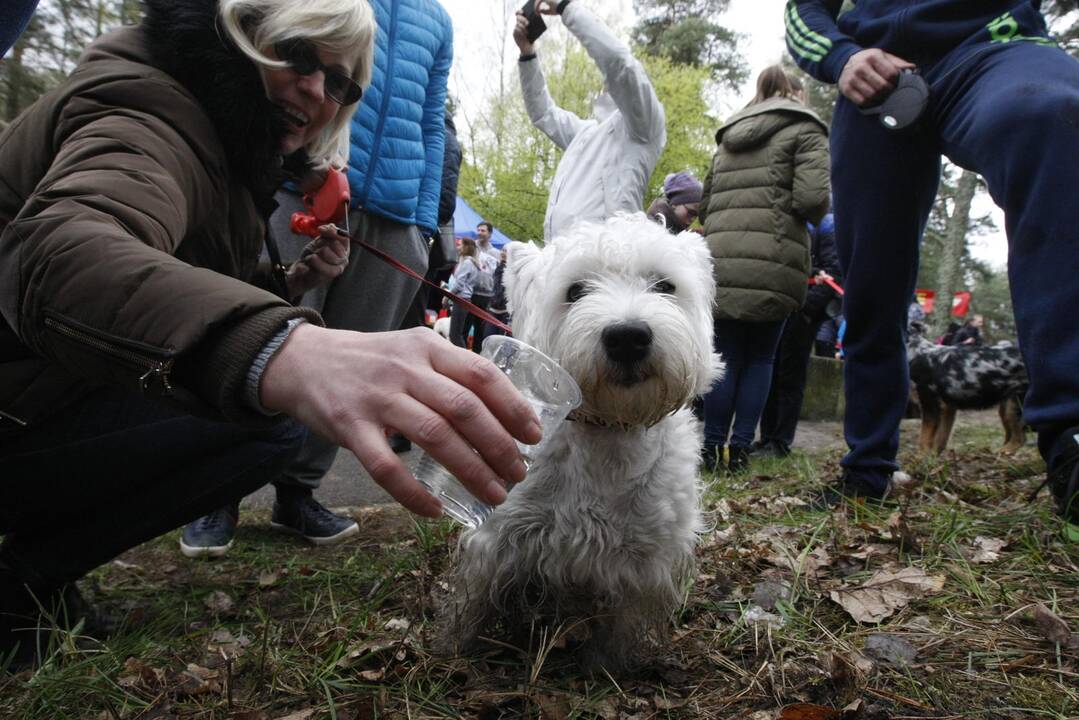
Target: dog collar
x=578 y=416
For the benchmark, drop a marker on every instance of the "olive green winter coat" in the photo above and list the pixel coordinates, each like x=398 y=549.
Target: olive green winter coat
x=767 y=179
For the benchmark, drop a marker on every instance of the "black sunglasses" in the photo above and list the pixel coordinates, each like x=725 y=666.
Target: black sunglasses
x=303 y=58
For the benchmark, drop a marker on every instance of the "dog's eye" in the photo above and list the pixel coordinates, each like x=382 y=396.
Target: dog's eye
x=664 y=287
x=576 y=291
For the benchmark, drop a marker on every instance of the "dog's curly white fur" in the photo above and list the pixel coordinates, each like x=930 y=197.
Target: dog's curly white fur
x=603 y=530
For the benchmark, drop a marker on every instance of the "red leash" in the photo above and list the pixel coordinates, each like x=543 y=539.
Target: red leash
x=394 y=262
x=329 y=204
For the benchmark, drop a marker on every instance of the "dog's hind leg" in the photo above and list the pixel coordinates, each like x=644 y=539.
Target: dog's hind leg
x=944 y=429
x=930 y=406
x=1011 y=417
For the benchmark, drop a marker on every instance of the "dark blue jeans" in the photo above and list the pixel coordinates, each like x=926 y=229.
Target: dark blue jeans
x=1010 y=113
x=747 y=350
x=114 y=470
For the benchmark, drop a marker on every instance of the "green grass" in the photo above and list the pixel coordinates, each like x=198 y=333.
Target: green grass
x=349 y=632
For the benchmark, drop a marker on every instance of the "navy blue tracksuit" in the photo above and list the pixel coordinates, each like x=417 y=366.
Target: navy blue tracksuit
x=1004 y=103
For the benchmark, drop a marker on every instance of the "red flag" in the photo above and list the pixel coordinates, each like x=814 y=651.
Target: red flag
x=961 y=303
x=925 y=298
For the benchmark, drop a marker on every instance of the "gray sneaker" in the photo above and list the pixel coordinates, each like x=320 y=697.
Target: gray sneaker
x=305 y=516
x=211 y=535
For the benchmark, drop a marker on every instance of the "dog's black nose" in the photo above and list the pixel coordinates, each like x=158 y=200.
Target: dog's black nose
x=627 y=342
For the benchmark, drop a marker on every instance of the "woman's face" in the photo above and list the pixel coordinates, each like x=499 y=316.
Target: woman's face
x=686 y=214
x=308 y=109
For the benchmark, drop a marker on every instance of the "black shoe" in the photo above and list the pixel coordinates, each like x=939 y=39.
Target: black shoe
x=305 y=516
x=853 y=488
x=739 y=459
x=211 y=535
x=399 y=443
x=1063 y=479
x=770 y=449
x=30 y=612
x=711 y=457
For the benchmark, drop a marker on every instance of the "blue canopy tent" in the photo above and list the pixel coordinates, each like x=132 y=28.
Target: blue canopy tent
x=465 y=220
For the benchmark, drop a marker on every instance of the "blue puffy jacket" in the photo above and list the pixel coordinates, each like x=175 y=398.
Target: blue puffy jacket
x=395 y=159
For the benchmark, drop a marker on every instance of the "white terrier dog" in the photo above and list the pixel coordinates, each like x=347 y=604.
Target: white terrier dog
x=601 y=535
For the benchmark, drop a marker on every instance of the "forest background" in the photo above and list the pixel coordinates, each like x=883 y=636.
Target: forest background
x=695 y=51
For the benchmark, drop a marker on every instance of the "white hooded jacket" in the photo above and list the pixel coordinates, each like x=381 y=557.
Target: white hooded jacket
x=608 y=158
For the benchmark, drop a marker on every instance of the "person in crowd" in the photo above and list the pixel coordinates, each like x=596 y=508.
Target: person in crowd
x=915 y=312
x=499 y=307
x=779 y=420
x=15 y=15
x=143 y=380
x=767 y=179
x=442 y=245
x=824 y=344
x=395 y=171
x=609 y=157
x=970 y=333
x=948 y=338
x=462 y=284
x=487 y=257
x=680 y=203
x=1000 y=91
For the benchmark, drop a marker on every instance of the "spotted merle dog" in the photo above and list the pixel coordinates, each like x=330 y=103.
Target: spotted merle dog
x=948 y=378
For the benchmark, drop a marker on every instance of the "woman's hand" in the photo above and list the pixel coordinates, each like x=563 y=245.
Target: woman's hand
x=350 y=387
x=870 y=75
x=322 y=260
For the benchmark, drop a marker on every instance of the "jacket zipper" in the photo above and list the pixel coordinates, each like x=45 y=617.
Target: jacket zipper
x=154 y=381
x=376 y=140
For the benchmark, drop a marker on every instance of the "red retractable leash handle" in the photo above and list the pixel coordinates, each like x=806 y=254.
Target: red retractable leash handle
x=829 y=282
x=329 y=204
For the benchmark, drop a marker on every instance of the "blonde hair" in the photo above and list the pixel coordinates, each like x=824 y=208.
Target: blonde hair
x=775 y=82
x=344 y=27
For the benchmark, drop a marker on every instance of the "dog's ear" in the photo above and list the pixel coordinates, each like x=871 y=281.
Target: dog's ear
x=523 y=261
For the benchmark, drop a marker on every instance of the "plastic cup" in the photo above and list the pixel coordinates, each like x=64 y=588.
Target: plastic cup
x=545 y=384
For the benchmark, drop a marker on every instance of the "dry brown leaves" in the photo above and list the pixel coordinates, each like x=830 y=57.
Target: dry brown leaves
x=885 y=592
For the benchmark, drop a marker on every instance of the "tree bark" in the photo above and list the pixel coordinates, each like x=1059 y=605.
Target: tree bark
x=949 y=278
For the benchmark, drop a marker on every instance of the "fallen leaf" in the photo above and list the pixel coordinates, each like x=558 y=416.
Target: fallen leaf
x=1051 y=626
x=219 y=602
x=223 y=642
x=872 y=549
x=267 y=579
x=754 y=614
x=885 y=592
x=769 y=592
x=373 y=675
x=891 y=649
x=987 y=549
x=301 y=715
x=668 y=703
x=854 y=709
x=553 y=707
x=400 y=624
x=807 y=711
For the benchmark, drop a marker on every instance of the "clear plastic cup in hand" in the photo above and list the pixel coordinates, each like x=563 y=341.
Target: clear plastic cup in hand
x=544 y=383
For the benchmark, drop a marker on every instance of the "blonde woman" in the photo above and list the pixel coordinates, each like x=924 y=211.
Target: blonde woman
x=141 y=374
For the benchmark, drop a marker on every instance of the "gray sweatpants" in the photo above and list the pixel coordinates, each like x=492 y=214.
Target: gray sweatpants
x=370 y=296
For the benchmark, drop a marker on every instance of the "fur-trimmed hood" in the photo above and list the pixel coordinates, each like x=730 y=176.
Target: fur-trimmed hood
x=186 y=42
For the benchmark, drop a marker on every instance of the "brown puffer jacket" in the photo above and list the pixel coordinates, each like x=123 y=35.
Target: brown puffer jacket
x=769 y=176
x=131 y=204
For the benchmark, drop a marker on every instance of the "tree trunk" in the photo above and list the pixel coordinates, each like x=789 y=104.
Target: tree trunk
x=949 y=279
x=16 y=82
